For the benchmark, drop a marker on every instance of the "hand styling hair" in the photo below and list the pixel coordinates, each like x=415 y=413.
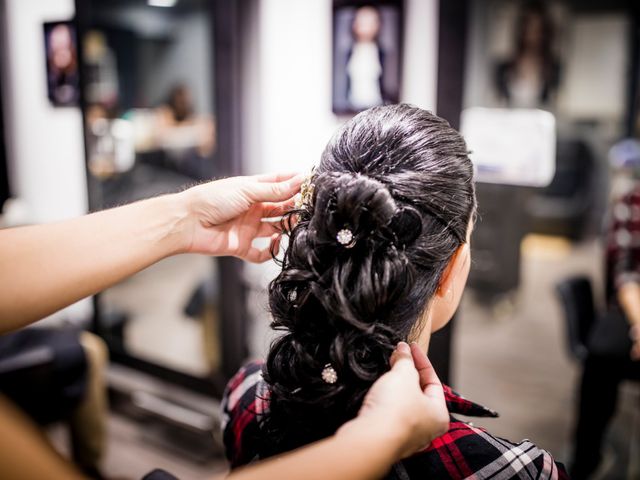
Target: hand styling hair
x=399 y=179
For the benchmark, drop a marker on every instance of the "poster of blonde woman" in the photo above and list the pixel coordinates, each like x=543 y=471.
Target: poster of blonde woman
x=366 y=54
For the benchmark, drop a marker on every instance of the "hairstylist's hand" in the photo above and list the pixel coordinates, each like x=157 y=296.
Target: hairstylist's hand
x=407 y=402
x=225 y=216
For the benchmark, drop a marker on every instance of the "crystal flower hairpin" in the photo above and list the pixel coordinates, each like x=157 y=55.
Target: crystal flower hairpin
x=346 y=238
x=329 y=374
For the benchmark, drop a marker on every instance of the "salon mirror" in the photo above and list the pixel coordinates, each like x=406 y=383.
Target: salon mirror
x=148 y=87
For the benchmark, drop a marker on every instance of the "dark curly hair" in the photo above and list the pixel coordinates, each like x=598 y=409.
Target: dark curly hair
x=400 y=179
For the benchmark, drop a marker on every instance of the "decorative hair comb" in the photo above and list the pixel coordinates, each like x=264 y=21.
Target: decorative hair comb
x=306 y=192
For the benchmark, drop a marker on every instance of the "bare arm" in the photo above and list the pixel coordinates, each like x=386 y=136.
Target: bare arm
x=356 y=456
x=362 y=453
x=25 y=453
x=629 y=299
x=44 y=268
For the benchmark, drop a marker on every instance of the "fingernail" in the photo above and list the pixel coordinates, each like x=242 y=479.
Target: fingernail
x=403 y=347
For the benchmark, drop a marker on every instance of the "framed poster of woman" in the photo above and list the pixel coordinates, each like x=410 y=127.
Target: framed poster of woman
x=367 y=51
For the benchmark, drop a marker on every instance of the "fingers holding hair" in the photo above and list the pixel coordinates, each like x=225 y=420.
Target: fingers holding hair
x=401 y=361
x=275 y=187
x=277 y=209
x=274 y=177
x=402 y=351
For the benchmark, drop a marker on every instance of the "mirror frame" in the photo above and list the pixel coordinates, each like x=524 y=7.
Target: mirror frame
x=233 y=314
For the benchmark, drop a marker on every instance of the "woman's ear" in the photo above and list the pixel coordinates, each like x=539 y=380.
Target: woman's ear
x=456 y=265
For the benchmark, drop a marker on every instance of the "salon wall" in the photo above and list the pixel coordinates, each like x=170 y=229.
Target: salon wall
x=44 y=143
x=287 y=116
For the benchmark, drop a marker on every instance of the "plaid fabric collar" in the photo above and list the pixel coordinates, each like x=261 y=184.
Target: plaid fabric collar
x=465 y=451
x=456 y=403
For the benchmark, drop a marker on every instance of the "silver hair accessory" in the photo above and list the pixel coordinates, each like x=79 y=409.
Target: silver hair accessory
x=329 y=374
x=345 y=238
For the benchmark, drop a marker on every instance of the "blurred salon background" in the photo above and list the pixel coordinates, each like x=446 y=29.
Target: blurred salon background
x=104 y=102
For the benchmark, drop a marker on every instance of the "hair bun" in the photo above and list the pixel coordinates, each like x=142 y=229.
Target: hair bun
x=365 y=207
x=346 y=300
x=407 y=225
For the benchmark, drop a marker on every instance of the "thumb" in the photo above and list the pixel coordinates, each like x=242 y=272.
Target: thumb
x=276 y=191
x=401 y=356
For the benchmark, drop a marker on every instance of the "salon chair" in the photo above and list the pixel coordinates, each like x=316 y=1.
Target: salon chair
x=565 y=207
x=35 y=359
x=588 y=330
x=36 y=362
x=159 y=474
x=496 y=239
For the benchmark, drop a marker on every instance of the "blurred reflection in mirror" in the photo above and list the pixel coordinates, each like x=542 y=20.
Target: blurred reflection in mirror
x=529 y=77
x=150 y=129
x=189 y=137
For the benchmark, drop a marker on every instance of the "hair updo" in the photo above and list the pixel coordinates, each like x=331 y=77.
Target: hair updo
x=399 y=179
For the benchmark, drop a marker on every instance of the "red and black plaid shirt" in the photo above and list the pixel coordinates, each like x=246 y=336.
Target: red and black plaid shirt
x=465 y=451
x=623 y=244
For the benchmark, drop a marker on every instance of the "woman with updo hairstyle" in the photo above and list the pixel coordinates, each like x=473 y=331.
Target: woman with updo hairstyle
x=378 y=253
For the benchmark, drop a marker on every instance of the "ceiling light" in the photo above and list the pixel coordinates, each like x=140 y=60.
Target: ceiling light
x=162 y=3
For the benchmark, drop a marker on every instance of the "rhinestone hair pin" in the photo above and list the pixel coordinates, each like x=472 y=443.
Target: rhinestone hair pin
x=293 y=295
x=329 y=375
x=345 y=238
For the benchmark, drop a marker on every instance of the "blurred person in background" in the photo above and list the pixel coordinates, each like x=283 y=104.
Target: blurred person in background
x=378 y=252
x=614 y=346
x=530 y=78
x=189 y=134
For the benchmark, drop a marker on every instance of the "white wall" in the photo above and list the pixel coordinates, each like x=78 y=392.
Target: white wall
x=594 y=86
x=46 y=158
x=287 y=117
x=420 y=66
x=45 y=145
